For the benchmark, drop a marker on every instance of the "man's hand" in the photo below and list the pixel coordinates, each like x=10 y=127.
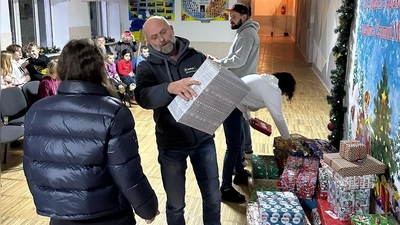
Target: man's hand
x=152 y=219
x=182 y=88
x=131 y=74
x=213 y=58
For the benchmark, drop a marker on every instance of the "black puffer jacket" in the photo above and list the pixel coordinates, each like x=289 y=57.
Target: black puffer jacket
x=81 y=156
x=152 y=79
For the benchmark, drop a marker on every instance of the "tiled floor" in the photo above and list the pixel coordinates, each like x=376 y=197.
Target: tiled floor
x=307 y=114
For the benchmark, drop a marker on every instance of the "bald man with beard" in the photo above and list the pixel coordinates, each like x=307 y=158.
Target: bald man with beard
x=165 y=74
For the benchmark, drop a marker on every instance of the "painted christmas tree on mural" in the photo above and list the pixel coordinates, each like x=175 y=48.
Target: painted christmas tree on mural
x=396 y=149
x=381 y=144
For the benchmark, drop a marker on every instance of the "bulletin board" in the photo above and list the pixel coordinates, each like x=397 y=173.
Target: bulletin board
x=154 y=7
x=205 y=10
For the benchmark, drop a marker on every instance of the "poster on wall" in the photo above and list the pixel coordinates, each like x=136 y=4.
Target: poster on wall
x=205 y=10
x=374 y=95
x=145 y=8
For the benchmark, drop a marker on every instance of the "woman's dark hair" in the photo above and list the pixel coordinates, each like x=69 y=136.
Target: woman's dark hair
x=124 y=52
x=286 y=83
x=82 y=60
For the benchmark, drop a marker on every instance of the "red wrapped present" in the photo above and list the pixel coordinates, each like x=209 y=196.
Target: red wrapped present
x=287 y=182
x=352 y=150
x=261 y=126
x=357 y=168
x=306 y=183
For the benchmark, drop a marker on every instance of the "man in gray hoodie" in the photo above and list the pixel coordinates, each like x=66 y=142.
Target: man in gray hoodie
x=242 y=60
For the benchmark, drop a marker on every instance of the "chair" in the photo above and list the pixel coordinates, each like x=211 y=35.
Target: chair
x=30 y=91
x=9 y=134
x=13 y=106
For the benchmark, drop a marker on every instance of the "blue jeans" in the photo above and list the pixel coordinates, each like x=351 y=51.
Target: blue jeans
x=173 y=169
x=233 y=130
x=247 y=136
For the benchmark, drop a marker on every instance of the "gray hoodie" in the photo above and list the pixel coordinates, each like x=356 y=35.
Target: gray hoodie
x=242 y=58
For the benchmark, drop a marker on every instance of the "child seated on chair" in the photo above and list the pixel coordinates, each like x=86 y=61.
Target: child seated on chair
x=112 y=73
x=144 y=53
x=19 y=73
x=125 y=71
x=49 y=84
x=6 y=70
x=37 y=63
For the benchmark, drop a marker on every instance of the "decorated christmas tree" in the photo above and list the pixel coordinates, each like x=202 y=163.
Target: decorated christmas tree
x=381 y=144
x=338 y=75
x=396 y=149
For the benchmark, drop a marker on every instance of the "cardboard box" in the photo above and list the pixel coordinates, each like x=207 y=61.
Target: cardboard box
x=352 y=150
x=217 y=96
x=358 y=168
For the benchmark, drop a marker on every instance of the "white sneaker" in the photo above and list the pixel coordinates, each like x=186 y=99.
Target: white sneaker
x=132 y=86
x=121 y=89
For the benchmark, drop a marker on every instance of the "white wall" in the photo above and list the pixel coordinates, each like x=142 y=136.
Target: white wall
x=114 y=21
x=5 y=29
x=60 y=26
x=326 y=21
x=215 y=31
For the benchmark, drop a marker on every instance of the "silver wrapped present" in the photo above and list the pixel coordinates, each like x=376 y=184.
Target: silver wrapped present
x=217 y=96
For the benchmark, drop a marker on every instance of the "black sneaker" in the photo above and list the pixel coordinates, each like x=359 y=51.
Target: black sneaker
x=242 y=178
x=231 y=195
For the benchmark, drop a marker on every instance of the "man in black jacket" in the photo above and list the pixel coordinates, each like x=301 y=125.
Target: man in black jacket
x=165 y=74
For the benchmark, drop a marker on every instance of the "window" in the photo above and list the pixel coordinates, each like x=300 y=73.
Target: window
x=98 y=22
x=31 y=22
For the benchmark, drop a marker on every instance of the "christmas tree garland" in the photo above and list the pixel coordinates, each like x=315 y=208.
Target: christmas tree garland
x=338 y=75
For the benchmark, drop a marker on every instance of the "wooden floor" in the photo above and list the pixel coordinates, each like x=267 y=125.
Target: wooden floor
x=307 y=114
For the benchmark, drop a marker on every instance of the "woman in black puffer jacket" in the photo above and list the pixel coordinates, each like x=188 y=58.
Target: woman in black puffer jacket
x=81 y=156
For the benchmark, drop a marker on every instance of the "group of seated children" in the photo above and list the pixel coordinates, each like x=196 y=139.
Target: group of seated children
x=122 y=74
x=16 y=72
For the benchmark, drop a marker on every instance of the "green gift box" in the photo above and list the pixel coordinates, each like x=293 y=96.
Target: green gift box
x=261 y=185
x=264 y=167
x=373 y=219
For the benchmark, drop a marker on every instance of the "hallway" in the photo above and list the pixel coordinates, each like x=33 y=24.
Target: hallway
x=307 y=114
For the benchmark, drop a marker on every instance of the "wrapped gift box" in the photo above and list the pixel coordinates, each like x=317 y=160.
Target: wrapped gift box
x=294 y=162
x=373 y=219
x=280 y=208
x=264 y=167
x=346 y=203
x=358 y=168
x=287 y=181
x=297 y=149
x=319 y=147
x=352 y=150
x=217 y=96
x=352 y=182
x=323 y=179
x=306 y=183
x=281 y=156
x=253 y=214
x=261 y=185
x=326 y=215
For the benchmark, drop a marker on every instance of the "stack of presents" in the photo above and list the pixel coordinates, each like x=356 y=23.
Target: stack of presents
x=308 y=180
x=311 y=182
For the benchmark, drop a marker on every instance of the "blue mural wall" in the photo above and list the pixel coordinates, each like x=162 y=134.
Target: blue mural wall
x=374 y=95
